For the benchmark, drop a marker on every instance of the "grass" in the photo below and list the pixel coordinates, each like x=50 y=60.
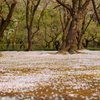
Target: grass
x=36 y=49
x=45 y=49
x=94 y=49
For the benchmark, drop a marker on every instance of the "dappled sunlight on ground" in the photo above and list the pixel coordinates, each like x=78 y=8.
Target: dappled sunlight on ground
x=41 y=75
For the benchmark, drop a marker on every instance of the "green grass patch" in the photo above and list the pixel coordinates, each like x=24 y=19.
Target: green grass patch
x=94 y=49
x=45 y=49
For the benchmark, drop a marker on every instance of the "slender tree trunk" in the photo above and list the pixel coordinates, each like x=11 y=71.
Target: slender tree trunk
x=7 y=44
x=95 y=11
x=65 y=32
x=31 y=9
x=30 y=40
x=80 y=45
x=86 y=44
x=30 y=45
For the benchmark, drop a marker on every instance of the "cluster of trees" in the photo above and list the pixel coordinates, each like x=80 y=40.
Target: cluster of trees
x=29 y=24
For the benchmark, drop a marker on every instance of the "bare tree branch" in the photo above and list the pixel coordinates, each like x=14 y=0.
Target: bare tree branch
x=95 y=11
x=67 y=6
x=38 y=27
x=7 y=4
x=85 y=5
x=90 y=20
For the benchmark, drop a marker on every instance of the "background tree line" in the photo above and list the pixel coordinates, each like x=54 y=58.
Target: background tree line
x=36 y=24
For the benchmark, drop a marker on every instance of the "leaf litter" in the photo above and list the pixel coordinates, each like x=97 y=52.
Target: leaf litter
x=41 y=75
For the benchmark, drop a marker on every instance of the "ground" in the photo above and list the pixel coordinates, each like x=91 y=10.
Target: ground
x=46 y=75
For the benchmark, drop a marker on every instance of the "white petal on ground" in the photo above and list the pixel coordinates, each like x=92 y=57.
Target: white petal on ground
x=26 y=71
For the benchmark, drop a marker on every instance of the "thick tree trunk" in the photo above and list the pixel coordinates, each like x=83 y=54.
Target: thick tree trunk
x=6 y=22
x=71 y=45
x=63 y=44
x=76 y=11
x=65 y=32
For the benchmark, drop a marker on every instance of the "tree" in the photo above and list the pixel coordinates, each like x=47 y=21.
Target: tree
x=51 y=27
x=31 y=8
x=91 y=38
x=76 y=11
x=65 y=22
x=5 y=20
x=95 y=11
x=82 y=30
x=38 y=23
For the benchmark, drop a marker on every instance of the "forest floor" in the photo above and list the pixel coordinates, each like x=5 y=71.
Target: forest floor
x=45 y=75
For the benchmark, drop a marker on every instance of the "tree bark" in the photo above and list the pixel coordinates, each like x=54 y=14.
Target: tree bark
x=76 y=11
x=65 y=26
x=95 y=11
x=29 y=22
x=30 y=14
x=6 y=22
x=71 y=37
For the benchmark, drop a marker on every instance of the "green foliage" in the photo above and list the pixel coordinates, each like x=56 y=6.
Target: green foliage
x=49 y=31
x=93 y=35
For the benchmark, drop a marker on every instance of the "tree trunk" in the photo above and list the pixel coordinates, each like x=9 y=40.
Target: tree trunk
x=29 y=45
x=76 y=11
x=30 y=39
x=6 y=22
x=95 y=11
x=86 y=44
x=80 y=45
x=65 y=32
x=71 y=37
x=30 y=11
x=70 y=42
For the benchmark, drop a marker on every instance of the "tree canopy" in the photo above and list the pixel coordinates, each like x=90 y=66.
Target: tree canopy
x=37 y=24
